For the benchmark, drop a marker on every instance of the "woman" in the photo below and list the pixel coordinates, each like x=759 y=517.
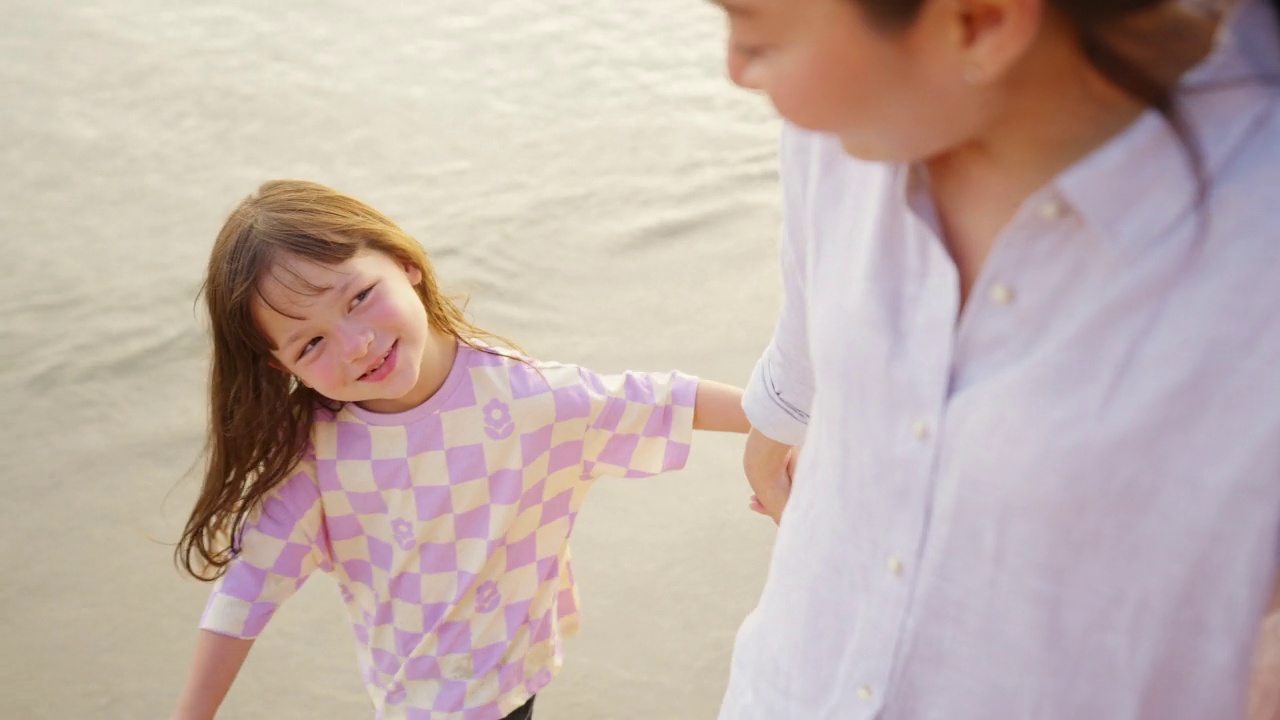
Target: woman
x=1030 y=343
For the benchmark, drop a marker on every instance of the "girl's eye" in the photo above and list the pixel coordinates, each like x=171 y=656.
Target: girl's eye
x=307 y=348
x=360 y=296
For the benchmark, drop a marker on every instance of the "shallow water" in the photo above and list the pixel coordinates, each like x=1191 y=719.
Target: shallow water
x=583 y=170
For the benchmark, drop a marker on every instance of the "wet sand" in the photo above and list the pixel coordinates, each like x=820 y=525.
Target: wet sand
x=583 y=170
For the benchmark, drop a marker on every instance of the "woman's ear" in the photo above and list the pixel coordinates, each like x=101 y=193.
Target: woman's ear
x=993 y=35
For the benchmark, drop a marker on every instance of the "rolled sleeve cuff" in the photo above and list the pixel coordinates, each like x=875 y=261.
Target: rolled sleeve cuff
x=236 y=618
x=767 y=408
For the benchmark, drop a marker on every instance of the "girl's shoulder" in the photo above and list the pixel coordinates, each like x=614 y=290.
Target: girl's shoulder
x=484 y=353
x=477 y=353
x=526 y=375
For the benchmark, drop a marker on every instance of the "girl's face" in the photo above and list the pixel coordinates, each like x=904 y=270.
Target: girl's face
x=354 y=332
x=891 y=95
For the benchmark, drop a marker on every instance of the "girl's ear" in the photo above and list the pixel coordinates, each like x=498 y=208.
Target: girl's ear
x=275 y=364
x=414 y=273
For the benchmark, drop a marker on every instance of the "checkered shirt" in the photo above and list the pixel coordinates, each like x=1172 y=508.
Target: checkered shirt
x=447 y=526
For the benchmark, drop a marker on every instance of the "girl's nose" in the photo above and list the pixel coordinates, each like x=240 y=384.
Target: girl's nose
x=356 y=342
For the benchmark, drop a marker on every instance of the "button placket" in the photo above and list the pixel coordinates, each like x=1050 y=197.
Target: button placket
x=920 y=429
x=1052 y=209
x=1001 y=293
x=894 y=563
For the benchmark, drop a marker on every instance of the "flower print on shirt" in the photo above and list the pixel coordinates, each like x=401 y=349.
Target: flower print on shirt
x=487 y=597
x=497 y=420
x=402 y=531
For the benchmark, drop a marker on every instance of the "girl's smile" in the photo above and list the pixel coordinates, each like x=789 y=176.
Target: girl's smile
x=384 y=366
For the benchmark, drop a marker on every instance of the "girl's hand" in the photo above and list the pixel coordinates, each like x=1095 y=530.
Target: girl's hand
x=768 y=465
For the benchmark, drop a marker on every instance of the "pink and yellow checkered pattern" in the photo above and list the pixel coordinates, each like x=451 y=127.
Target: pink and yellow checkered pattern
x=447 y=526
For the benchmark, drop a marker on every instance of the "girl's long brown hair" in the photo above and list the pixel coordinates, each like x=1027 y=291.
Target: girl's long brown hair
x=259 y=416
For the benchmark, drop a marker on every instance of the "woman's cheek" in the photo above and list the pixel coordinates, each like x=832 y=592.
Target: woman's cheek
x=799 y=105
x=807 y=93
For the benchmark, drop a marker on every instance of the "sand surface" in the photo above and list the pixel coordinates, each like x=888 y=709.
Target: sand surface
x=583 y=170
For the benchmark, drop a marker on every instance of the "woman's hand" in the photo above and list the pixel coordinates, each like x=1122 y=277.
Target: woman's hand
x=1264 y=690
x=769 y=466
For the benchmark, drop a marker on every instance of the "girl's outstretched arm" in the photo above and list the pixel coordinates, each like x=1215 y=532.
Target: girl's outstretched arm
x=216 y=663
x=718 y=407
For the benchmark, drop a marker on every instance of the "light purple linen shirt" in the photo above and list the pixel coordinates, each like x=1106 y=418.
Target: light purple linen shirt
x=1062 y=502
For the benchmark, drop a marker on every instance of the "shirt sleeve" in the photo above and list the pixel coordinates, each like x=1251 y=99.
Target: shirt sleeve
x=780 y=392
x=279 y=549
x=639 y=424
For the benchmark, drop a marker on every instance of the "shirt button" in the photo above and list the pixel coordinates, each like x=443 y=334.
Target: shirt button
x=1001 y=293
x=920 y=429
x=1053 y=210
x=864 y=693
x=895 y=566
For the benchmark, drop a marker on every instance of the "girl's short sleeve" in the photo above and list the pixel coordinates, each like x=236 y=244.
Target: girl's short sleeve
x=281 y=545
x=640 y=424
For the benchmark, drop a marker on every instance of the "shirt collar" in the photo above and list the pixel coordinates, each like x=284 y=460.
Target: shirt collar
x=1222 y=106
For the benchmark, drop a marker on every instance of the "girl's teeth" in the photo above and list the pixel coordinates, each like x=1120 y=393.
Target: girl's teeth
x=377 y=367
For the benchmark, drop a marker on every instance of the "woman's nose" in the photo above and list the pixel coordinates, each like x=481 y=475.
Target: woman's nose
x=739 y=66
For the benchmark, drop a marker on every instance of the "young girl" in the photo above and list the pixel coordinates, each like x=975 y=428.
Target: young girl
x=360 y=427
x=1030 y=341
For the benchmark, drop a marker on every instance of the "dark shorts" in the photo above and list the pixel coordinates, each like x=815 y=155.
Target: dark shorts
x=524 y=712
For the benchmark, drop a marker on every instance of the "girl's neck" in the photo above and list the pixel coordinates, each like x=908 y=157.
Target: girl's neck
x=437 y=363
